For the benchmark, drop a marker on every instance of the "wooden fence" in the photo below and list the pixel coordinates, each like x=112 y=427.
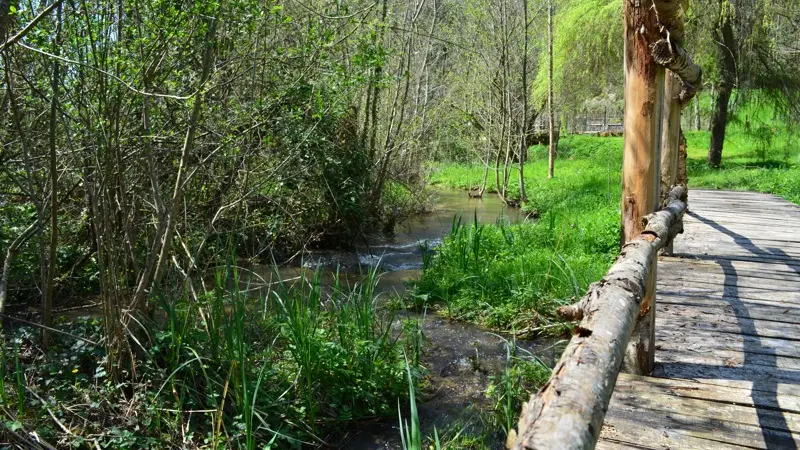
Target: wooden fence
x=616 y=328
x=568 y=411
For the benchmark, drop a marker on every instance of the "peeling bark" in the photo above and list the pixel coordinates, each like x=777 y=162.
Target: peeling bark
x=644 y=97
x=568 y=411
x=680 y=62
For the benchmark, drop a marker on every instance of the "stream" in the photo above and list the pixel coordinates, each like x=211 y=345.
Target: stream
x=460 y=357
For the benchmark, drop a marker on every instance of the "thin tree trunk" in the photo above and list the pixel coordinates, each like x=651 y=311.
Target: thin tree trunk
x=697 y=113
x=727 y=55
x=523 y=147
x=670 y=134
x=377 y=74
x=670 y=140
x=551 y=160
x=47 y=304
x=682 y=178
x=486 y=163
x=167 y=223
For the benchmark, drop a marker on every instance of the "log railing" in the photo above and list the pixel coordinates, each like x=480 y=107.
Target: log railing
x=616 y=328
x=568 y=411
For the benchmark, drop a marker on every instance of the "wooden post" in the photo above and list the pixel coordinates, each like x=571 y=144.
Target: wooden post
x=644 y=94
x=670 y=138
x=568 y=412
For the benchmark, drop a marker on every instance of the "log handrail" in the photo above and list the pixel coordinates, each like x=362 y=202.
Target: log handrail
x=568 y=412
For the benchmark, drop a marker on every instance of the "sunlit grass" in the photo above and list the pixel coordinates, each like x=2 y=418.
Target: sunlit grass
x=514 y=276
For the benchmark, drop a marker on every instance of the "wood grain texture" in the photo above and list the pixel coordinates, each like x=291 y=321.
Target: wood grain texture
x=727 y=371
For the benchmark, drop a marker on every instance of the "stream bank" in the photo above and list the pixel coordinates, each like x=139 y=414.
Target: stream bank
x=460 y=358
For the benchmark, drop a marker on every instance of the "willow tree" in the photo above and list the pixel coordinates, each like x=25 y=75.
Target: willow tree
x=753 y=46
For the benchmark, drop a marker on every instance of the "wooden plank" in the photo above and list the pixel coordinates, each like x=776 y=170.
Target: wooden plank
x=787 y=284
x=727 y=257
x=704 y=341
x=731 y=220
x=742 y=267
x=761 y=247
x=753 y=327
x=753 y=309
x=648 y=413
x=712 y=209
x=729 y=194
x=746 y=249
x=764 y=366
x=732 y=291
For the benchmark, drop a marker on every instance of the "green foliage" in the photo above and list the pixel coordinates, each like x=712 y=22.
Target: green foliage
x=514 y=276
x=509 y=389
x=585 y=65
x=228 y=371
x=411 y=436
x=762 y=160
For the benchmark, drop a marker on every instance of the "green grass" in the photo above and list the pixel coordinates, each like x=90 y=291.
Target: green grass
x=751 y=161
x=514 y=276
x=292 y=369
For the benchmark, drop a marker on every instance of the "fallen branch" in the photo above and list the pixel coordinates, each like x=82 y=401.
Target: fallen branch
x=568 y=411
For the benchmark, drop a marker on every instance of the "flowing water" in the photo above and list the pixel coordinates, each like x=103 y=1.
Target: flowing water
x=460 y=357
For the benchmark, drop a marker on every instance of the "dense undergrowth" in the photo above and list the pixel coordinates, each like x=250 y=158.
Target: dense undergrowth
x=290 y=369
x=513 y=276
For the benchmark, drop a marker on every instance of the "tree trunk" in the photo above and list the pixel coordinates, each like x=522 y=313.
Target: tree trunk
x=726 y=53
x=5 y=6
x=697 y=113
x=47 y=303
x=644 y=86
x=670 y=134
x=523 y=145
x=670 y=139
x=719 y=122
x=682 y=178
x=13 y=248
x=551 y=160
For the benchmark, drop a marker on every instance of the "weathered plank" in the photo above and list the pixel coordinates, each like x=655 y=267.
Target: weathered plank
x=677 y=414
x=727 y=337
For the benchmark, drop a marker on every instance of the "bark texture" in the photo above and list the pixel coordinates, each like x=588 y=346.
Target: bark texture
x=670 y=134
x=644 y=96
x=727 y=55
x=680 y=62
x=682 y=177
x=551 y=146
x=568 y=411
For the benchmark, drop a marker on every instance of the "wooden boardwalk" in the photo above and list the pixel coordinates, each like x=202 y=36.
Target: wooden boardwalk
x=727 y=334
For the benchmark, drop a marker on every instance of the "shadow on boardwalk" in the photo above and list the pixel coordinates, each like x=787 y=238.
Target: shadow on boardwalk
x=775 y=430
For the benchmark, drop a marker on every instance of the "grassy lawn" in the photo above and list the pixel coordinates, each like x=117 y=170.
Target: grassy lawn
x=749 y=163
x=514 y=276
